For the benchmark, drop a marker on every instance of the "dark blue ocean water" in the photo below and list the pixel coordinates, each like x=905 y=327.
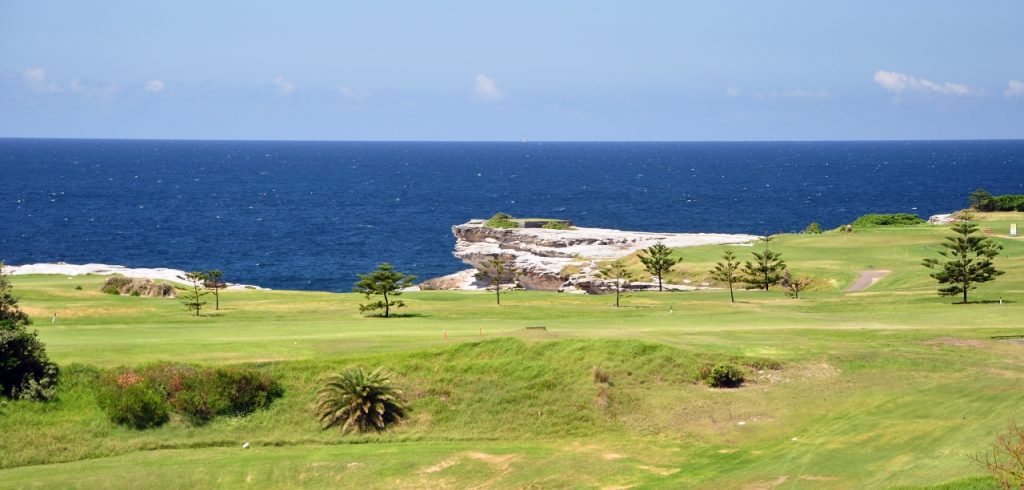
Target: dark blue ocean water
x=310 y=215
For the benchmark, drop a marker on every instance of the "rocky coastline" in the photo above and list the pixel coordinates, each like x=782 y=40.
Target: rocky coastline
x=542 y=257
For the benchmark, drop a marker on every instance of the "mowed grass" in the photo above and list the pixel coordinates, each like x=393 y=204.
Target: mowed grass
x=892 y=386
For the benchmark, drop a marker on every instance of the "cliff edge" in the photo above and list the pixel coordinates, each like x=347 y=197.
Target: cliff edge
x=541 y=255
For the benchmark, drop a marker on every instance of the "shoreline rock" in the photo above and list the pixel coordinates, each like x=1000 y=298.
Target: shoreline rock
x=541 y=255
x=64 y=269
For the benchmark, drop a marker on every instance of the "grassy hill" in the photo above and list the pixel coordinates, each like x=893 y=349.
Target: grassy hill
x=892 y=386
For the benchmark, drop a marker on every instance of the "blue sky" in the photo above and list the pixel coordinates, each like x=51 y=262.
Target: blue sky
x=570 y=70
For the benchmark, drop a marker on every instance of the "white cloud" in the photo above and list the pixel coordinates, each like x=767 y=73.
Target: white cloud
x=732 y=92
x=898 y=83
x=92 y=88
x=1014 y=88
x=35 y=78
x=353 y=94
x=485 y=89
x=284 y=87
x=155 y=86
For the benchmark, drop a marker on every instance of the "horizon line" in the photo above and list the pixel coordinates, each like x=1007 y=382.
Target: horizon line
x=255 y=140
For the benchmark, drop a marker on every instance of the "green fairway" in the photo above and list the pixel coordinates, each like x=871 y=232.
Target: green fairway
x=887 y=387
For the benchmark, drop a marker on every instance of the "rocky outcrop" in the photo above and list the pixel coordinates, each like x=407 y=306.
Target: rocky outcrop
x=127 y=286
x=542 y=257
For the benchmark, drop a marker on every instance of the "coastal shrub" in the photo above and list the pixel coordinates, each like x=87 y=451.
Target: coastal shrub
x=557 y=225
x=132 y=401
x=891 y=219
x=114 y=284
x=502 y=220
x=814 y=228
x=725 y=376
x=26 y=371
x=361 y=401
x=981 y=200
x=197 y=394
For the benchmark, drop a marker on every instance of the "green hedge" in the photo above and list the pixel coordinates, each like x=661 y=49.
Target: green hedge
x=892 y=219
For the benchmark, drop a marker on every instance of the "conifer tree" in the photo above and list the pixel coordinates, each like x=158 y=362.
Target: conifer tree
x=496 y=271
x=967 y=261
x=193 y=299
x=727 y=271
x=658 y=261
x=386 y=282
x=617 y=273
x=766 y=269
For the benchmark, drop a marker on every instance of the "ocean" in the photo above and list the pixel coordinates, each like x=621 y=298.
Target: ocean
x=310 y=215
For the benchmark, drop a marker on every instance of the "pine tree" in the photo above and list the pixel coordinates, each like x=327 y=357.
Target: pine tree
x=496 y=271
x=193 y=300
x=386 y=282
x=766 y=270
x=727 y=272
x=658 y=261
x=967 y=261
x=617 y=273
x=214 y=283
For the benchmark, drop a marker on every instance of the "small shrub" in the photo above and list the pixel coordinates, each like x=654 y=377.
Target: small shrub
x=762 y=364
x=813 y=229
x=704 y=372
x=78 y=288
x=197 y=394
x=114 y=284
x=892 y=219
x=1005 y=459
x=725 y=376
x=357 y=400
x=557 y=225
x=502 y=220
x=603 y=399
x=132 y=401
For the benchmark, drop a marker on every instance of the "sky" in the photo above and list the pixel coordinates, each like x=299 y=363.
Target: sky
x=540 y=70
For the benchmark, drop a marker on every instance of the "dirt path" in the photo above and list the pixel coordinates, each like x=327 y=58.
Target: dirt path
x=866 y=280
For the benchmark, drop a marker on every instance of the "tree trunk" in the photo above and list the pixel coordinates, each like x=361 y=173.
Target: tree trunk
x=659 y=282
x=387 y=309
x=965 y=295
x=617 y=289
x=497 y=293
x=732 y=299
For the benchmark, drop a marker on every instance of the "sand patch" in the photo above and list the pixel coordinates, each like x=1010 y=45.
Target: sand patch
x=767 y=484
x=611 y=456
x=659 y=471
x=866 y=280
x=503 y=462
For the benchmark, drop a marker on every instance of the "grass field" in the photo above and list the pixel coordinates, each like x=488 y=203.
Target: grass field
x=890 y=387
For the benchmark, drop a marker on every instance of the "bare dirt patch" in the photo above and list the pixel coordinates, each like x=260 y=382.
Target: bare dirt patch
x=766 y=484
x=866 y=280
x=956 y=342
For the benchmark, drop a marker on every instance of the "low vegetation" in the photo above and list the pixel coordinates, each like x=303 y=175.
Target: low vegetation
x=981 y=200
x=502 y=220
x=26 y=371
x=143 y=398
x=126 y=286
x=891 y=219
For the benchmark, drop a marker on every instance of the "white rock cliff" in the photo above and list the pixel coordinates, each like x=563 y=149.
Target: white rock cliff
x=540 y=255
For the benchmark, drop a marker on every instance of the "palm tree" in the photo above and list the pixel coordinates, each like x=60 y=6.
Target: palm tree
x=360 y=401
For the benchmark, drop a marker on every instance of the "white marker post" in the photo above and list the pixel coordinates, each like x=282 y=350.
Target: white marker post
x=1013 y=229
